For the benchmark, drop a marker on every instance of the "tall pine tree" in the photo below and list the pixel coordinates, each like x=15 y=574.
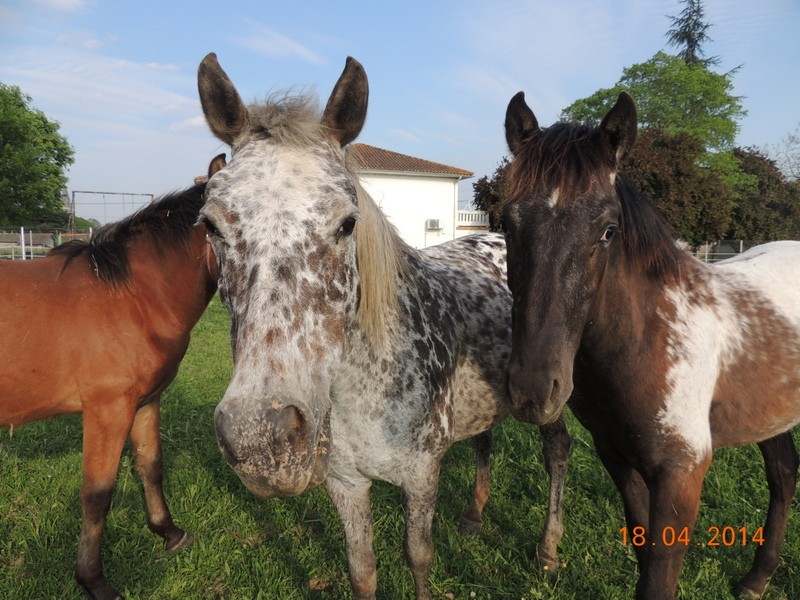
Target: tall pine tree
x=689 y=32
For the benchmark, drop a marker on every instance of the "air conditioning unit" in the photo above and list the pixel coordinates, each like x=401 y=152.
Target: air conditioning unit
x=432 y=225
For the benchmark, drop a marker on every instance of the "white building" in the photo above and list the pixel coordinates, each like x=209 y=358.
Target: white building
x=418 y=196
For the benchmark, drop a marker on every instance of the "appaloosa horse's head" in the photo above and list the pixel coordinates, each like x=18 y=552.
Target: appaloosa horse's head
x=563 y=178
x=282 y=216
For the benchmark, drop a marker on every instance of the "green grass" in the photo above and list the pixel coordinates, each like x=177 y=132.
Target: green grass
x=246 y=548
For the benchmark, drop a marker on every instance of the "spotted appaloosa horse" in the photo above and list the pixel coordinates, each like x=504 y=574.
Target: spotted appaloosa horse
x=115 y=315
x=356 y=357
x=680 y=357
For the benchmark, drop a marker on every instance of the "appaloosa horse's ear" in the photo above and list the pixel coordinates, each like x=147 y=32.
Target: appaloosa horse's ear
x=619 y=126
x=346 y=110
x=224 y=110
x=521 y=123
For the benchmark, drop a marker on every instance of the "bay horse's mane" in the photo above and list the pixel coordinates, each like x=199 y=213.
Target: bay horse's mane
x=568 y=161
x=167 y=222
x=380 y=251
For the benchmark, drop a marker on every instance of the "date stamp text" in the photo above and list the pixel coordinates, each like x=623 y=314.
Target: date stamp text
x=671 y=536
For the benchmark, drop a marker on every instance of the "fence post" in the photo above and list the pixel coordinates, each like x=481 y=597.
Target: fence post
x=22 y=241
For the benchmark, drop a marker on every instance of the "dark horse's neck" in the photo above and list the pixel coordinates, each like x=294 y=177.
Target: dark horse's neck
x=632 y=295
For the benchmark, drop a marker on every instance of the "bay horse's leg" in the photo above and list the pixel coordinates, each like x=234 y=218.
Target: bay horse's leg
x=472 y=520
x=353 y=505
x=104 y=433
x=420 y=505
x=781 y=463
x=555 y=444
x=674 y=504
x=145 y=440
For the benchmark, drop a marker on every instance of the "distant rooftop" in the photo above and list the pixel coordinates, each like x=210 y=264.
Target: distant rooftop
x=370 y=158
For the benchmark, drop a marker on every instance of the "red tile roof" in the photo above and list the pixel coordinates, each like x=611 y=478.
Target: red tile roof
x=370 y=158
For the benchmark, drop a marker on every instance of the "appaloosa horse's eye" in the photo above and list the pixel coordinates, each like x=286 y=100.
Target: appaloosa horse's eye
x=211 y=230
x=346 y=228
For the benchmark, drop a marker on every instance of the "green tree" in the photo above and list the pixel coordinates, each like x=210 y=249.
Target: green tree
x=675 y=97
x=33 y=159
x=694 y=199
x=490 y=192
x=689 y=32
x=769 y=207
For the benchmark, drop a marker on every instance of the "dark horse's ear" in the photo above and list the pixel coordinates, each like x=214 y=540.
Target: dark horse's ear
x=619 y=126
x=521 y=123
x=224 y=110
x=217 y=163
x=346 y=110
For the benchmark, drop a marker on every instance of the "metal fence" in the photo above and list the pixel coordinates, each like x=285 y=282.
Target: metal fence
x=716 y=251
x=25 y=244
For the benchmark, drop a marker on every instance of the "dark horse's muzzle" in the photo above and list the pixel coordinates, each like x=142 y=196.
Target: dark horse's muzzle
x=276 y=448
x=539 y=391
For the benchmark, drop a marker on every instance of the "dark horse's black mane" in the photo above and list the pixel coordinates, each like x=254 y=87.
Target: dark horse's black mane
x=168 y=221
x=572 y=159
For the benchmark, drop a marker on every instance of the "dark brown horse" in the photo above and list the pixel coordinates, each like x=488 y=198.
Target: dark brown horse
x=117 y=311
x=669 y=357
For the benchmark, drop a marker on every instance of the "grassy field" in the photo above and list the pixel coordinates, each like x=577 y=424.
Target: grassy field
x=247 y=548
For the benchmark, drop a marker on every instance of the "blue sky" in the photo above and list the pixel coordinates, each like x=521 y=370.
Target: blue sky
x=120 y=77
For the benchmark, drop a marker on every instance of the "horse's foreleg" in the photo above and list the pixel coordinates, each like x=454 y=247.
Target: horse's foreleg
x=635 y=496
x=674 y=504
x=781 y=462
x=104 y=433
x=145 y=439
x=472 y=520
x=555 y=445
x=353 y=505
x=420 y=505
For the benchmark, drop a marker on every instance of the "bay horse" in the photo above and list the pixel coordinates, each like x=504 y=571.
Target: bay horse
x=356 y=357
x=664 y=357
x=100 y=327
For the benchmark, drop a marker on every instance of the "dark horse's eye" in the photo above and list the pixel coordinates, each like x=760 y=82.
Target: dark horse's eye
x=346 y=228
x=608 y=234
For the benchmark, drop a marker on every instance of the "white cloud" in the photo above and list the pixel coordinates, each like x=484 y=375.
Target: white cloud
x=267 y=42
x=81 y=39
x=63 y=5
x=403 y=134
x=192 y=123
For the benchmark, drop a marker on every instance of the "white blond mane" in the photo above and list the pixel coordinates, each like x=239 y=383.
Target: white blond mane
x=381 y=254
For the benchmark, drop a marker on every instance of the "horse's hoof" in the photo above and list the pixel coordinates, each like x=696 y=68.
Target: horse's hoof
x=101 y=591
x=185 y=541
x=469 y=526
x=744 y=592
x=546 y=562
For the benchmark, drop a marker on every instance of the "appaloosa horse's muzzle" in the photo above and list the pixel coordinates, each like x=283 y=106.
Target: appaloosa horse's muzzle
x=276 y=448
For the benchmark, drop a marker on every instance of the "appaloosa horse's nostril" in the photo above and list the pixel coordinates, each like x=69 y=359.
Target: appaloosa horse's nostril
x=272 y=431
x=288 y=428
x=226 y=438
